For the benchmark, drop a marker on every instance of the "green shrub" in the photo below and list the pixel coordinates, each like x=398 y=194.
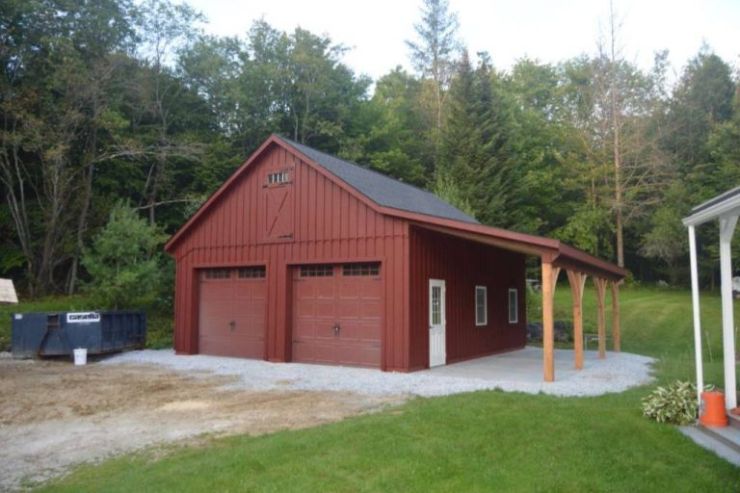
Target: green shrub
x=675 y=403
x=124 y=261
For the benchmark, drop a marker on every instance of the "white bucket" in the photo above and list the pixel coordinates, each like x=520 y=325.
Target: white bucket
x=80 y=356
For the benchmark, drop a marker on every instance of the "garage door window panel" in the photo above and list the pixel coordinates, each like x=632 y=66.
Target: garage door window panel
x=252 y=273
x=361 y=269
x=217 y=273
x=317 y=271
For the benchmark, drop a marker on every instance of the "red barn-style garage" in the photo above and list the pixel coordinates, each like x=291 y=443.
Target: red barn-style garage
x=301 y=256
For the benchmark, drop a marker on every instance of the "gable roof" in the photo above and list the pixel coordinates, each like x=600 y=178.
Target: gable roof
x=420 y=208
x=380 y=192
x=381 y=189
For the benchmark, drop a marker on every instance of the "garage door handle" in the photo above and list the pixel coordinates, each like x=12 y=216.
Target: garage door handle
x=337 y=328
x=232 y=325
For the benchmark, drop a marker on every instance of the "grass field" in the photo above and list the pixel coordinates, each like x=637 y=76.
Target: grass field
x=483 y=441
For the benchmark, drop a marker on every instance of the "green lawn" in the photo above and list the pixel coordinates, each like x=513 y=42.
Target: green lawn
x=658 y=323
x=481 y=441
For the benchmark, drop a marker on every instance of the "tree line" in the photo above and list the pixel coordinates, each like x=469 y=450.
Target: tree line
x=109 y=101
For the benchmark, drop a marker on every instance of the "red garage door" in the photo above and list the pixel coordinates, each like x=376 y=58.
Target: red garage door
x=231 y=317
x=337 y=314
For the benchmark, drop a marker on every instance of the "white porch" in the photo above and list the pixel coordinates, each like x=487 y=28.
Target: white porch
x=725 y=209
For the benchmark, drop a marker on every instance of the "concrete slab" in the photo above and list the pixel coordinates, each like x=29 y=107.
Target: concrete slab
x=711 y=444
x=522 y=370
x=525 y=365
x=729 y=435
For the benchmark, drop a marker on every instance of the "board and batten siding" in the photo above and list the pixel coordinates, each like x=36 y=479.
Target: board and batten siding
x=463 y=264
x=329 y=225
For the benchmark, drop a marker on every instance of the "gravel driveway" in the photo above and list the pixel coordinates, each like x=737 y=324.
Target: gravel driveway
x=519 y=371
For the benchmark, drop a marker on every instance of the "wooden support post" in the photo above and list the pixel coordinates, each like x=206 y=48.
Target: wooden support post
x=616 y=330
x=577 y=281
x=601 y=319
x=549 y=279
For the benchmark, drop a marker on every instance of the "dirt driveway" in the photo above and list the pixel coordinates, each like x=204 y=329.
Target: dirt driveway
x=54 y=415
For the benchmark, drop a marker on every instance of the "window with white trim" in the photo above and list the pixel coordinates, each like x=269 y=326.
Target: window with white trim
x=481 y=305
x=513 y=305
x=278 y=178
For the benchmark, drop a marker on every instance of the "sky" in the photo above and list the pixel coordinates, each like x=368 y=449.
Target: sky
x=549 y=31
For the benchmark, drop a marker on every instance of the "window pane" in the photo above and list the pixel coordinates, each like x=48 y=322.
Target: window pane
x=317 y=270
x=363 y=269
x=217 y=273
x=251 y=272
x=513 y=306
x=278 y=178
x=436 y=306
x=481 y=315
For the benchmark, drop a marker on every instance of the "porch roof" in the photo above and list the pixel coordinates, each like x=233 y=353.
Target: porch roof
x=725 y=208
x=723 y=205
x=549 y=249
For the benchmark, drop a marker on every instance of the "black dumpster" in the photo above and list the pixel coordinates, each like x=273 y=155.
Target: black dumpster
x=57 y=334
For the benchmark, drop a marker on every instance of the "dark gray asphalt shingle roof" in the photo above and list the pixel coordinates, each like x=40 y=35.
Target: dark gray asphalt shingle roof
x=381 y=189
x=716 y=200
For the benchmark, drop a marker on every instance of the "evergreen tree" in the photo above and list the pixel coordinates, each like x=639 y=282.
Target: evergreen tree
x=474 y=144
x=434 y=55
x=124 y=261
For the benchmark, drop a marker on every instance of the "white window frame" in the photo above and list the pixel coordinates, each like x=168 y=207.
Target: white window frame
x=516 y=305
x=478 y=323
x=278 y=178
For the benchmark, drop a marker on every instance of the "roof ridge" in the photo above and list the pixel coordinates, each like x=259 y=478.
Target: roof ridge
x=366 y=168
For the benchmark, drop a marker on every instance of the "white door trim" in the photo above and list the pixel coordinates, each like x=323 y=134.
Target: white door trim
x=437 y=323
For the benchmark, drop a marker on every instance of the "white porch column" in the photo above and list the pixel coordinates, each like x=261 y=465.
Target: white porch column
x=697 y=317
x=726 y=229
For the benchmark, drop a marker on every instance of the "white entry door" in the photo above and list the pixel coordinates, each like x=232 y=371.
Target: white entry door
x=437 y=322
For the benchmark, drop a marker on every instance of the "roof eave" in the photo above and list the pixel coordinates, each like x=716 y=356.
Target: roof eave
x=570 y=257
x=555 y=251
x=729 y=207
x=175 y=238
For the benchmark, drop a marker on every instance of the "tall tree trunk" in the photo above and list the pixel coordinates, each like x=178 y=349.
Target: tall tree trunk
x=81 y=228
x=615 y=111
x=84 y=210
x=151 y=205
x=619 y=226
x=152 y=197
x=13 y=179
x=619 y=222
